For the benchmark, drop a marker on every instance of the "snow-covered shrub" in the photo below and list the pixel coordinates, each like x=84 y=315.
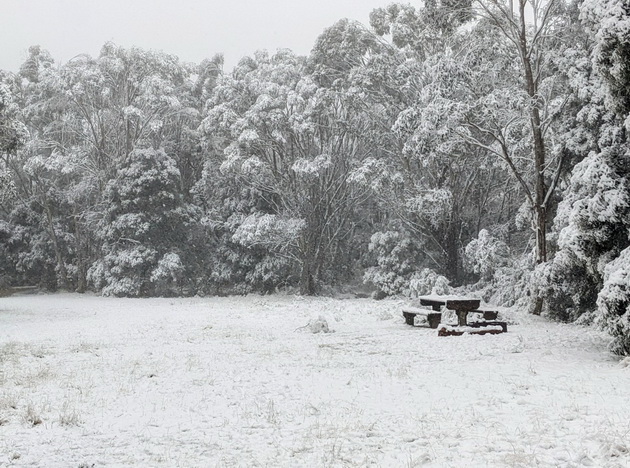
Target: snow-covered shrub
x=29 y=249
x=613 y=303
x=124 y=272
x=510 y=285
x=504 y=279
x=268 y=273
x=242 y=239
x=397 y=261
x=567 y=286
x=486 y=254
x=428 y=281
x=596 y=203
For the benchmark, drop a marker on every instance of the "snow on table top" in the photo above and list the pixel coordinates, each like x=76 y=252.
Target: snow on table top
x=445 y=298
x=233 y=382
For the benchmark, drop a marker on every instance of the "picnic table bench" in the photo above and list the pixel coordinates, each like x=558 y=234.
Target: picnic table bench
x=417 y=316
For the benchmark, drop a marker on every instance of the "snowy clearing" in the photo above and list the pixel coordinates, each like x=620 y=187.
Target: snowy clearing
x=90 y=381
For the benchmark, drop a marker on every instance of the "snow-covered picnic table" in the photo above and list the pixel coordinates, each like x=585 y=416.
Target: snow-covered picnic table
x=462 y=305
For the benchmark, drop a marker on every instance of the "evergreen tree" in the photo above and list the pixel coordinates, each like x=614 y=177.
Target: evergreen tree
x=144 y=229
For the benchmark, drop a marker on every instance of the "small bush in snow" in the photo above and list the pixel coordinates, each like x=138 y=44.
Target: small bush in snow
x=31 y=416
x=69 y=416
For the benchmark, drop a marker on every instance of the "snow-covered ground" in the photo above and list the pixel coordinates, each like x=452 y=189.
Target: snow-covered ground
x=219 y=382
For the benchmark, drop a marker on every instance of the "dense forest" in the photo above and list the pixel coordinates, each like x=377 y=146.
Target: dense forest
x=455 y=144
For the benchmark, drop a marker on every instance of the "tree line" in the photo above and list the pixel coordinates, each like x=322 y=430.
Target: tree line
x=479 y=143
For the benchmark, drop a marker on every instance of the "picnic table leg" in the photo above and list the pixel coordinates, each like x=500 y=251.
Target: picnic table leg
x=461 y=318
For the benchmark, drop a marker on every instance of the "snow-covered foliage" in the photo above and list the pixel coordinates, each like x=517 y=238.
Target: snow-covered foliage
x=427 y=281
x=504 y=278
x=268 y=230
x=143 y=230
x=433 y=206
x=592 y=224
x=569 y=288
x=287 y=140
x=486 y=254
x=585 y=279
x=397 y=259
x=610 y=23
x=597 y=205
x=8 y=190
x=613 y=303
x=13 y=135
x=29 y=249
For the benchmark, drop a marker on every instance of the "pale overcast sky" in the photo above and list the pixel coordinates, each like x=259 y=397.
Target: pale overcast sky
x=191 y=29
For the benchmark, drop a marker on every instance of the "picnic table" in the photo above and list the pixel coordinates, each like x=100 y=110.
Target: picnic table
x=462 y=305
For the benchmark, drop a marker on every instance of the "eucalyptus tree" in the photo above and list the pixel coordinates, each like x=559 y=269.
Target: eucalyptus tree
x=295 y=144
x=42 y=232
x=13 y=135
x=426 y=181
x=516 y=120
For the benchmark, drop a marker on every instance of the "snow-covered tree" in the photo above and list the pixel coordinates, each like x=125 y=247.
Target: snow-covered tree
x=589 y=271
x=436 y=187
x=294 y=144
x=13 y=135
x=515 y=117
x=144 y=229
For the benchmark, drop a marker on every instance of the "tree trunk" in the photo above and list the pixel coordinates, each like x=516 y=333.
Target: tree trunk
x=453 y=270
x=539 y=219
x=308 y=284
x=81 y=259
x=63 y=273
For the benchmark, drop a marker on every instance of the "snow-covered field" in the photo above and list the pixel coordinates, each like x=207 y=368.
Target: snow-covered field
x=89 y=381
